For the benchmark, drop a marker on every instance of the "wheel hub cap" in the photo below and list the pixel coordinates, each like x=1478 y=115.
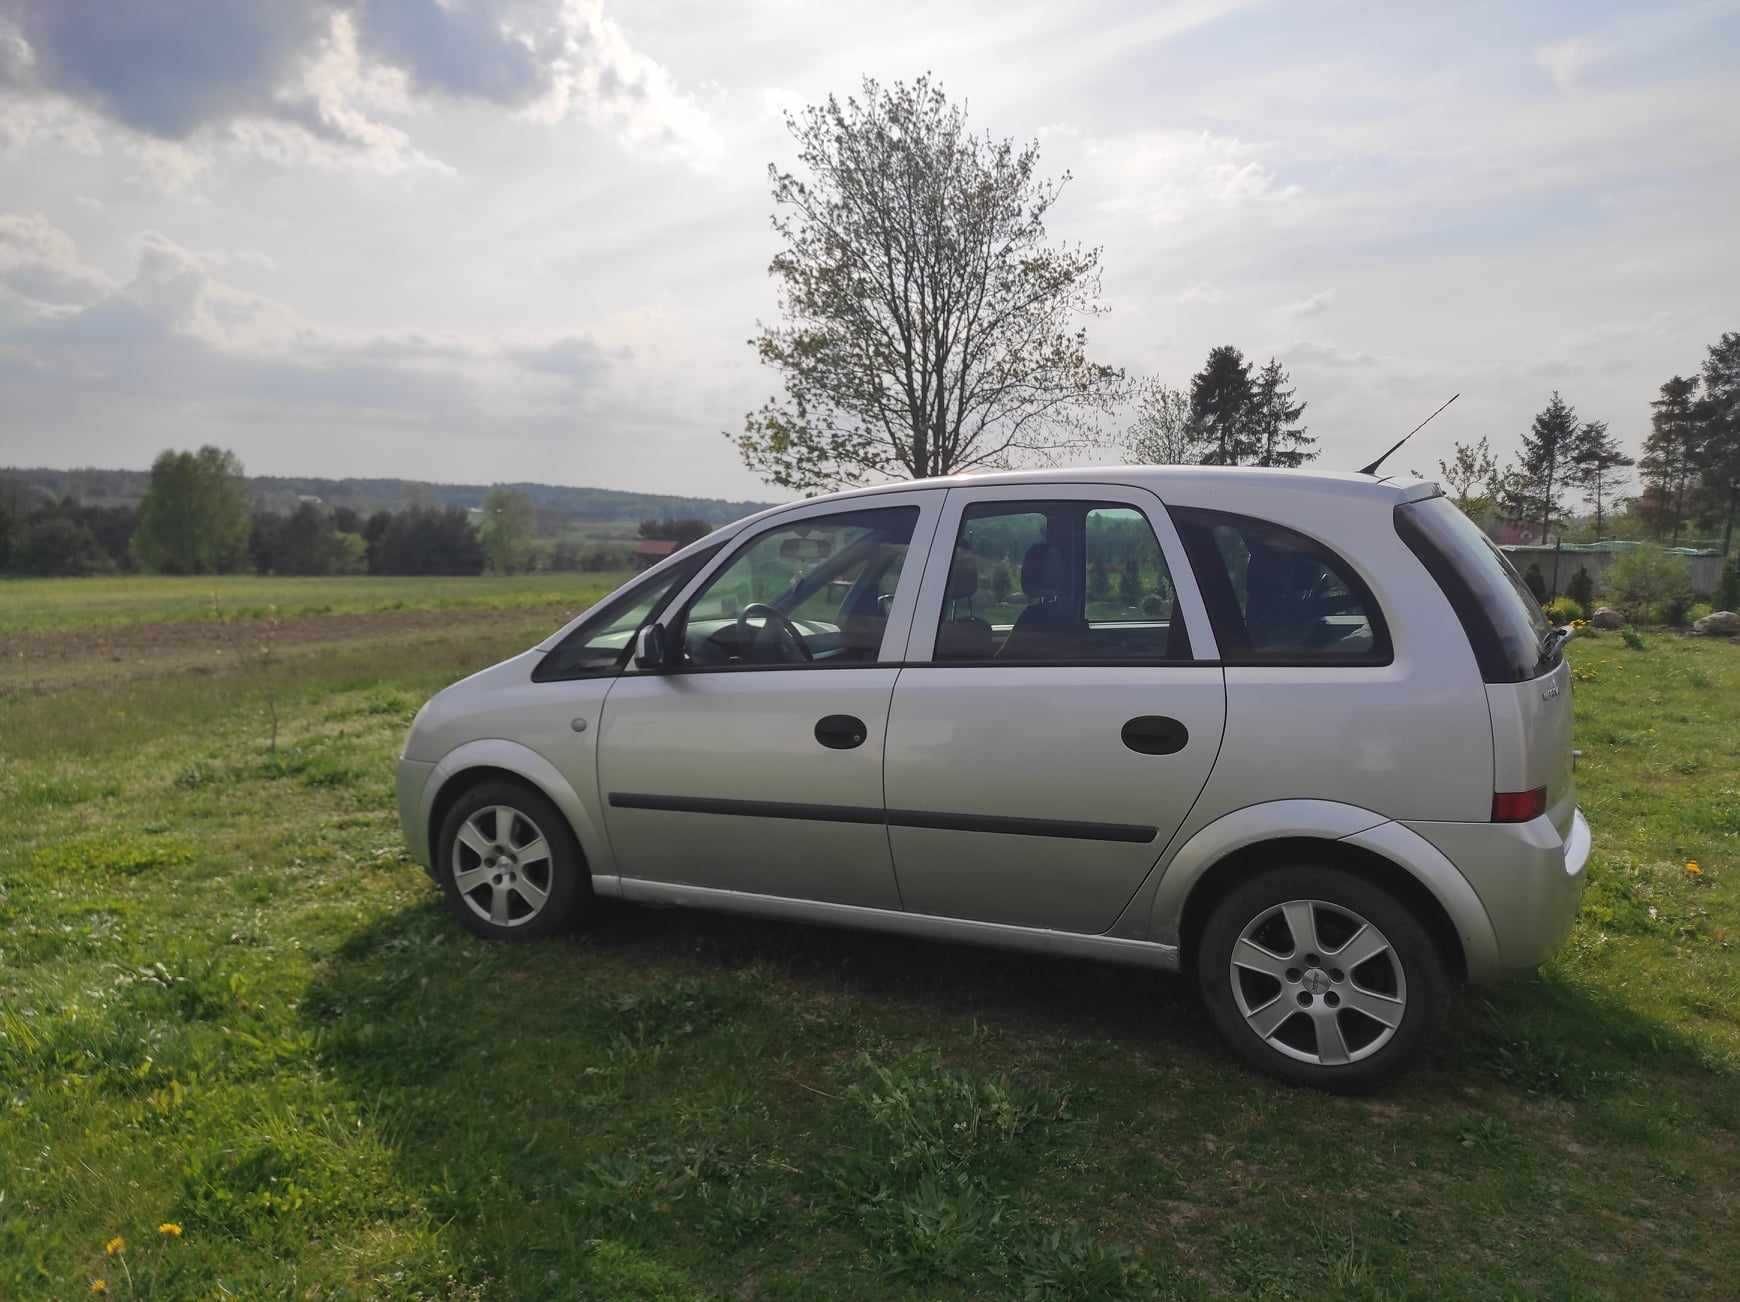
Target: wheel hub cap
x=1316 y=981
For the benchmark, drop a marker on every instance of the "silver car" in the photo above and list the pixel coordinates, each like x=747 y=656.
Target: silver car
x=1306 y=737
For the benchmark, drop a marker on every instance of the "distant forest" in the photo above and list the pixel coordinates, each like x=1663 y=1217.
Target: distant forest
x=205 y=516
x=596 y=512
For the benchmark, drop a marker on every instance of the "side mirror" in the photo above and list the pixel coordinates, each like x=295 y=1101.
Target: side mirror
x=652 y=648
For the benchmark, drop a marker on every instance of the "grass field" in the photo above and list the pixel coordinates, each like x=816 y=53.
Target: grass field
x=229 y=1005
x=51 y=605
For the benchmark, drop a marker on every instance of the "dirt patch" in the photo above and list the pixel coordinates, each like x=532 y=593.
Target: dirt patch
x=44 y=663
x=179 y=637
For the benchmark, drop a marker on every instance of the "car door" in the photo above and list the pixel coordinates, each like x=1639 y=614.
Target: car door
x=754 y=761
x=1060 y=710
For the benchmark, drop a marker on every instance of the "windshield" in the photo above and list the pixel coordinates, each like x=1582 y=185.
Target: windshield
x=1510 y=633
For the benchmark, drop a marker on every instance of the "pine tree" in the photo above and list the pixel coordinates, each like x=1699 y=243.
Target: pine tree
x=1547 y=451
x=1668 y=459
x=1279 y=438
x=1597 y=467
x=1220 y=408
x=1130 y=582
x=1719 y=440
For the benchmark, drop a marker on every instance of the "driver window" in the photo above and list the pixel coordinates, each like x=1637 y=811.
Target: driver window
x=815 y=591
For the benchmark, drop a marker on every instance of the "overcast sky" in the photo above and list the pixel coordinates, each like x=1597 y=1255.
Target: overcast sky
x=496 y=240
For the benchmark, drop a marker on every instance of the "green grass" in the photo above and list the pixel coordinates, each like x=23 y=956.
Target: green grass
x=227 y=1002
x=54 y=605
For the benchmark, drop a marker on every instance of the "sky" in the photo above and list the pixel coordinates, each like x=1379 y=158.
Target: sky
x=509 y=240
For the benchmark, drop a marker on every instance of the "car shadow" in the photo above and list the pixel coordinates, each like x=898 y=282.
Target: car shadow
x=558 y=1078
x=1534 y=1033
x=1049 y=993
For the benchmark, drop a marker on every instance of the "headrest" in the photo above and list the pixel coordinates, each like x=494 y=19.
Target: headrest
x=1042 y=571
x=963 y=576
x=1282 y=569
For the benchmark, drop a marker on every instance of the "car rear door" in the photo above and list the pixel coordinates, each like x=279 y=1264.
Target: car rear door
x=1060 y=709
x=748 y=767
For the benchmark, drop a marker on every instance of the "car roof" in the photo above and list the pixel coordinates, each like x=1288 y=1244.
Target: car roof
x=1195 y=480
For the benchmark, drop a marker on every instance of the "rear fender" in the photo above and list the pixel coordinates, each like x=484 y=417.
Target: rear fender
x=1328 y=821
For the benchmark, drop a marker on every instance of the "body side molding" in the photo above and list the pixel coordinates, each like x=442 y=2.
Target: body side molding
x=1068 y=829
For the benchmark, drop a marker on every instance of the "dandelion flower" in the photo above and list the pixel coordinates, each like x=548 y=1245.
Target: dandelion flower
x=99 y=1286
x=1692 y=869
x=115 y=1246
x=169 y=1230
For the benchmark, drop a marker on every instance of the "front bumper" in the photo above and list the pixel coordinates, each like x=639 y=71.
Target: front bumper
x=412 y=778
x=1529 y=879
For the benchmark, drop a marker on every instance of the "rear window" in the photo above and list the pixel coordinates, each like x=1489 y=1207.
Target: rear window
x=1510 y=634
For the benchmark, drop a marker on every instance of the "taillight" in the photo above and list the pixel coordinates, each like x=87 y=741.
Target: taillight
x=1518 y=806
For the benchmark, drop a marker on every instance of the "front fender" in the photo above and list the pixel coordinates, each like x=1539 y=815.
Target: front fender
x=526 y=763
x=1329 y=821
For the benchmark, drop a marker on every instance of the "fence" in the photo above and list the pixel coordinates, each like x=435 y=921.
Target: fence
x=1558 y=564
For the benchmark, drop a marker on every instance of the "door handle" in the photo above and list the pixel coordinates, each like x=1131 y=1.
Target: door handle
x=1155 y=734
x=841 y=731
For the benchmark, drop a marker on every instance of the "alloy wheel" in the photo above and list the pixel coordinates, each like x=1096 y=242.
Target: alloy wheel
x=1317 y=982
x=502 y=865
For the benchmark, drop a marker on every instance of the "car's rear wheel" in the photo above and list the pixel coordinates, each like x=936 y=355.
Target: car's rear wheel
x=1320 y=977
x=509 y=866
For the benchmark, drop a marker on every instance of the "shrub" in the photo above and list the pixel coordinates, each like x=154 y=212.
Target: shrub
x=1581 y=589
x=1562 y=610
x=1698 y=610
x=1633 y=639
x=1648 y=581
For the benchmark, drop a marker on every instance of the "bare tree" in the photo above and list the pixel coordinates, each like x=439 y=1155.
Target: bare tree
x=1162 y=433
x=928 y=326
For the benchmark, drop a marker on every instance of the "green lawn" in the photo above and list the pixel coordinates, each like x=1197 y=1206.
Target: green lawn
x=229 y=1004
x=50 y=605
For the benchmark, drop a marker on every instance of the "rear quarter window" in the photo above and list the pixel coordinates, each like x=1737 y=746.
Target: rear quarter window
x=1278 y=597
x=1509 y=633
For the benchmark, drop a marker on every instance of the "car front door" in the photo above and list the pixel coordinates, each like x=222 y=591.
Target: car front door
x=1060 y=710
x=753 y=762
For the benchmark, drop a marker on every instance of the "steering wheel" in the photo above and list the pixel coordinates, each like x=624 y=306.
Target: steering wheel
x=789 y=636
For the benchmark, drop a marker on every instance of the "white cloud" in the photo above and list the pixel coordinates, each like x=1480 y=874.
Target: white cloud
x=178 y=353
x=333 y=81
x=40 y=263
x=1185 y=179
x=1564 y=61
x=1316 y=305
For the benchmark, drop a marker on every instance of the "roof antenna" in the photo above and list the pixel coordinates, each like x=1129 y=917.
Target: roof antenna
x=1373 y=467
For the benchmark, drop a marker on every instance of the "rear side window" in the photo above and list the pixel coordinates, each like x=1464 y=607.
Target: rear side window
x=1277 y=597
x=1510 y=634
x=1058 y=582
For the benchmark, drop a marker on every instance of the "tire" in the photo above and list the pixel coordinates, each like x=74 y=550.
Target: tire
x=536 y=888
x=1344 y=1026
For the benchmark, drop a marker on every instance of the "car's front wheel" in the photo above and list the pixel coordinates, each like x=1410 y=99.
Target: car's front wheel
x=1320 y=977
x=509 y=865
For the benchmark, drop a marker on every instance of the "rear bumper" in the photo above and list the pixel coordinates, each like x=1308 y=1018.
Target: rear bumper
x=412 y=778
x=1529 y=879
